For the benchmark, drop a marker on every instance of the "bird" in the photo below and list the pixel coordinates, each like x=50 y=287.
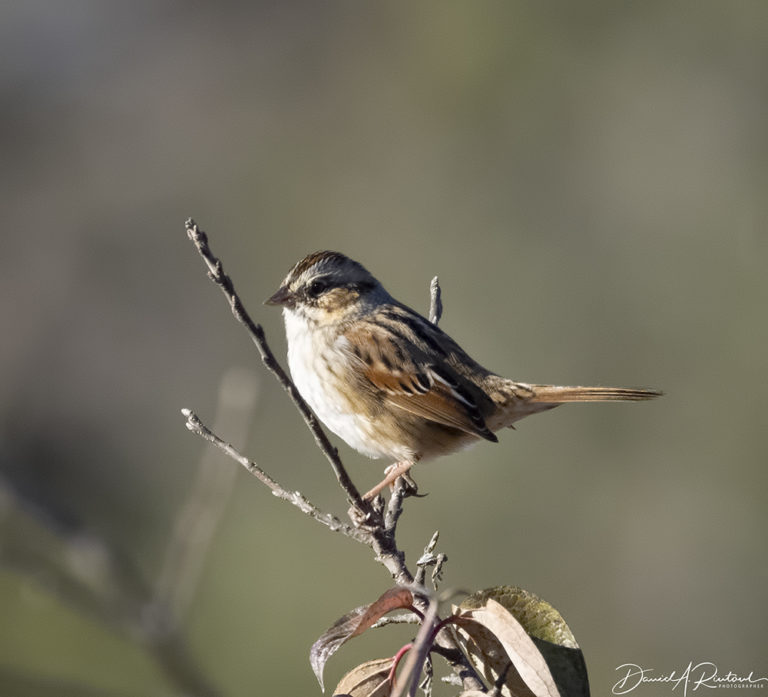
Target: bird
x=389 y=382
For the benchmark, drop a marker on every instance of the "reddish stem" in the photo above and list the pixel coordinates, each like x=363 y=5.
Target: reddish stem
x=416 y=612
x=396 y=662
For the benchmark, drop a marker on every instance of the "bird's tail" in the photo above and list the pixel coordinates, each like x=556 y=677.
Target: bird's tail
x=555 y=394
x=523 y=399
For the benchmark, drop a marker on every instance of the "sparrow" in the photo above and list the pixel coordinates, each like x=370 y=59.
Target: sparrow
x=391 y=383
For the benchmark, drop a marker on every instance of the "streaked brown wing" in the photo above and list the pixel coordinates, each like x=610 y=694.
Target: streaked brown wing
x=414 y=381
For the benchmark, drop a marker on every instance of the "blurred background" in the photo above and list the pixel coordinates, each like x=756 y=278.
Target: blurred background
x=589 y=182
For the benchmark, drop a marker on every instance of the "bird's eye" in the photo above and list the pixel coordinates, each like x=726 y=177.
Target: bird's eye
x=316 y=288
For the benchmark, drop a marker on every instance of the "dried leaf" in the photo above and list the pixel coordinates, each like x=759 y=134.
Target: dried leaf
x=494 y=638
x=538 y=617
x=490 y=659
x=353 y=624
x=330 y=641
x=369 y=679
x=549 y=631
x=393 y=599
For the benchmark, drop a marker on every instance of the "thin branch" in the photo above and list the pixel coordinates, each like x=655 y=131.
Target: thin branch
x=437 y=572
x=400 y=618
x=294 y=497
x=435 y=301
x=429 y=676
x=413 y=664
x=217 y=275
x=394 y=507
x=429 y=558
x=208 y=498
x=380 y=540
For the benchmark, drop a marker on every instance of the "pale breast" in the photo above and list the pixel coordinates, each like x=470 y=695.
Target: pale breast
x=316 y=360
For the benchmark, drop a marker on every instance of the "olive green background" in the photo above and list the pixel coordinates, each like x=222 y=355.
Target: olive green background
x=588 y=180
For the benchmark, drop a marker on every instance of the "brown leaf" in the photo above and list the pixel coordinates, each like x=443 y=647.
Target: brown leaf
x=369 y=679
x=538 y=617
x=494 y=639
x=395 y=598
x=353 y=624
x=488 y=656
x=549 y=632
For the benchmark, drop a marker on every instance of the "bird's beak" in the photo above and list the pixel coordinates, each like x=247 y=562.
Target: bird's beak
x=283 y=296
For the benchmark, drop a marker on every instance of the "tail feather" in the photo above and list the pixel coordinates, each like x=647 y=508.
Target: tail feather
x=555 y=394
x=523 y=399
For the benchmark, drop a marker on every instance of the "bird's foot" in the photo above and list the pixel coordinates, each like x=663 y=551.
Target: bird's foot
x=399 y=469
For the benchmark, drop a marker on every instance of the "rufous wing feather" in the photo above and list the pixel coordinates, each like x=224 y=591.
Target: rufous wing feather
x=430 y=390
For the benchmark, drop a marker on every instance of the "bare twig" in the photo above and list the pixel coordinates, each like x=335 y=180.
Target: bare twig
x=294 y=497
x=401 y=618
x=209 y=496
x=409 y=680
x=429 y=676
x=379 y=539
x=394 y=507
x=427 y=558
x=217 y=275
x=430 y=559
x=437 y=572
x=435 y=301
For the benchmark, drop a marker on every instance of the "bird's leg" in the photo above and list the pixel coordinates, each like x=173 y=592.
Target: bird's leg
x=392 y=473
